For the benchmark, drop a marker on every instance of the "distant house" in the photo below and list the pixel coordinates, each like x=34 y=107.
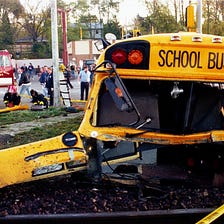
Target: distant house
x=82 y=50
x=77 y=50
x=24 y=45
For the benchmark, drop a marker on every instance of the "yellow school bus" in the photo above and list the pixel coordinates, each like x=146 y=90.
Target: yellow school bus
x=161 y=91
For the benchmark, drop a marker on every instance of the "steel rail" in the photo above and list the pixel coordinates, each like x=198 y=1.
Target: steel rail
x=183 y=216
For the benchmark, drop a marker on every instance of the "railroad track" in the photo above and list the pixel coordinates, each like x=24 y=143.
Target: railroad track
x=179 y=216
x=74 y=199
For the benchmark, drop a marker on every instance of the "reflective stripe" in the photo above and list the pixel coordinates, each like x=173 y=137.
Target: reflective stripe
x=71 y=154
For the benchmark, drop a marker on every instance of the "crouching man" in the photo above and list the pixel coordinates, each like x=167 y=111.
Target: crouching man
x=38 y=100
x=11 y=97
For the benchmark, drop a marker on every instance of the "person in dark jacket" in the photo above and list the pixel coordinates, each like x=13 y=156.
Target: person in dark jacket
x=11 y=97
x=38 y=98
x=24 y=81
x=67 y=75
x=50 y=85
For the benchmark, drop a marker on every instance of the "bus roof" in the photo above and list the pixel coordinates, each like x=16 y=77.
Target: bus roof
x=174 y=56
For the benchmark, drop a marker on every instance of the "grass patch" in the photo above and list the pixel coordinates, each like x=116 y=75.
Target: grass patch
x=36 y=134
x=29 y=115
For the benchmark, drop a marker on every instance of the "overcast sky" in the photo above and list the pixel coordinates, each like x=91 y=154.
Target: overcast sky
x=129 y=9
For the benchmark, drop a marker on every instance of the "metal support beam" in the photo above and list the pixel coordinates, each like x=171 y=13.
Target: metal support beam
x=55 y=54
x=199 y=17
x=64 y=35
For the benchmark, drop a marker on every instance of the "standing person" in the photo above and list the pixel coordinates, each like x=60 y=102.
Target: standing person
x=78 y=70
x=38 y=70
x=72 y=68
x=61 y=72
x=50 y=85
x=30 y=70
x=43 y=80
x=18 y=73
x=67 y=75
x=84 y=78
x=25 y=67
x=93 y=66
x=24 y=82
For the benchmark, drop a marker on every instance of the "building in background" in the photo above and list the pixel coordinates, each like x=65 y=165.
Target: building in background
x=77 y=52
x=82 y=50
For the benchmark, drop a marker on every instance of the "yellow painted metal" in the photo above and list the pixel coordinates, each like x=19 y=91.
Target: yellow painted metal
x=18 y=163
x=120 y=160
x=191 y=25
x=19 y=107
x=212 y=216
x=121 y=133
x=183 y=59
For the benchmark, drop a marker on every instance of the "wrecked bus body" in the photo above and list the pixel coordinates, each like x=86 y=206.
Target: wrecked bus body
x=162 y=92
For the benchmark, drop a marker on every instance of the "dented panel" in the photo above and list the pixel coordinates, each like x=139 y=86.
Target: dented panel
x=18 y=164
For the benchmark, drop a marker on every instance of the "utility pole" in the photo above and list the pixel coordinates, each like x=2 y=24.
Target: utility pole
x=208 y=16
x=55 y=54
x=199 y=16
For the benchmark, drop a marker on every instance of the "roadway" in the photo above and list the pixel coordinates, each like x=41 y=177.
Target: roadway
x=25 y=99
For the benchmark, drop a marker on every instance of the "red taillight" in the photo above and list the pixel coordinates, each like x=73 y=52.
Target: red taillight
x=135 y=57
x=119 y=56
x=129 y=54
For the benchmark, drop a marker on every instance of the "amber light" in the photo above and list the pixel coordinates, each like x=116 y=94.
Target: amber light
x=119 y=56
x=135 y=57
x=118 y=92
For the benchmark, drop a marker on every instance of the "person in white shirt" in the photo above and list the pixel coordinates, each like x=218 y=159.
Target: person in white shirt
x=84 y=78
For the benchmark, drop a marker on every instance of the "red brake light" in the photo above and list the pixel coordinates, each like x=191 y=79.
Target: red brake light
x=119 y=56
x=135 y=57
x=133 y=54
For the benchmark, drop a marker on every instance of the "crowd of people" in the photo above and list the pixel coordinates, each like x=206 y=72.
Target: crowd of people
x=25 y=75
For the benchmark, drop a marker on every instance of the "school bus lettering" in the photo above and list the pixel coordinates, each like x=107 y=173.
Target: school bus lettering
x=173 y=58
x=215 y=60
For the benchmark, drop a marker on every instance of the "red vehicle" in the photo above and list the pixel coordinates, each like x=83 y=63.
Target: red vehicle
x=6 y=69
